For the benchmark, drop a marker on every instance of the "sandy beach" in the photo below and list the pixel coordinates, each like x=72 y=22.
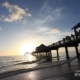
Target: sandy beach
x=61 y=70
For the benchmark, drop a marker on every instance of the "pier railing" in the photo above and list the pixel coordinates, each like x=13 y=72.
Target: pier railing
x=67 y=40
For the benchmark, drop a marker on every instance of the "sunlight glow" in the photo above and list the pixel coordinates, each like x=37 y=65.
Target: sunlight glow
x=30 y=57
x=29 y=47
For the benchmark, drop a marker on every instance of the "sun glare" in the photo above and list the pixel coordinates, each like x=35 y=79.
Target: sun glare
x=29 y=47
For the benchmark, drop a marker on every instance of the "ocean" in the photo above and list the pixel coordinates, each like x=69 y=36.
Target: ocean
x=26 y=63
x=11 y=63
x=8 y=63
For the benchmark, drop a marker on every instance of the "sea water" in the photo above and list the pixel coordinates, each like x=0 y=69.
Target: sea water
x=17 y=63
x=9 y=63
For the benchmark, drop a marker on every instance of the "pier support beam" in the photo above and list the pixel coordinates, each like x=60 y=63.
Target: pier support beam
x=48 y=56
x=77 y=52
x=67 y=55
x=57 y=55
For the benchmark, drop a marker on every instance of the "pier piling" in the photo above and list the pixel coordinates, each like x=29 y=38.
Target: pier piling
x=77 y=52
x=57 y=55
x=67 y=54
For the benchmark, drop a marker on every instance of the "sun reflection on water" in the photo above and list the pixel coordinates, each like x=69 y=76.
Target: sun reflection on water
x=30 y=57
x=32 y=76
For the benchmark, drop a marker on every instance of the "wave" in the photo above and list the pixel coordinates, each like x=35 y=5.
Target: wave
x=20 y=63
x=11 y=73
x=28 y=62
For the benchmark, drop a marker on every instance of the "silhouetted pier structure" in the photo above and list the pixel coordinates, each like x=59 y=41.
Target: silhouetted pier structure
x=73 y=40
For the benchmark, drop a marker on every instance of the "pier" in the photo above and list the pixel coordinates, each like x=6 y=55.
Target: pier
x=44 y=52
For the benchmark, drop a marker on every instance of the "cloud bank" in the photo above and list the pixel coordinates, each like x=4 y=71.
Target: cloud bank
x=15 y=12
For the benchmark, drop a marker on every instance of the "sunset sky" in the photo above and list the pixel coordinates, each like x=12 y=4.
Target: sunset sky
x=33 y=22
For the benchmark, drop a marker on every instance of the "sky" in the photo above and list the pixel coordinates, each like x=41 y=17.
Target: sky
x=27 y=22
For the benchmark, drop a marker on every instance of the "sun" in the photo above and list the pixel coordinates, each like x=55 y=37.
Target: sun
x=29 y=47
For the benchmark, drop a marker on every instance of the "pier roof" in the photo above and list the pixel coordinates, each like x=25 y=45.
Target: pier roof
x=42 y=47
x=76 y=26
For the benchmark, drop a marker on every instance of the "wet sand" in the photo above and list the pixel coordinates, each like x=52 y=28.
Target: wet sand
x=63 y=70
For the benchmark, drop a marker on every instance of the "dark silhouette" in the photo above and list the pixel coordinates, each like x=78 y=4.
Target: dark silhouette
x=68 y=41
x=72 y=36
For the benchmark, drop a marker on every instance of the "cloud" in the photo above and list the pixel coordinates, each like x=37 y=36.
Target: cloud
x=28 y=15
x=42 y=29
x=54 y=15
x=54 y=31
x=24 y=22
x=15 y=12
x=49 y=13
x=44 y=6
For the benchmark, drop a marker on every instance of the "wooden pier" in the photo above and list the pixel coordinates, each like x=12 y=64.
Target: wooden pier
x=44 y=52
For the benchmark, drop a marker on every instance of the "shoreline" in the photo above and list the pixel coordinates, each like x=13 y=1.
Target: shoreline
x=37 y=68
